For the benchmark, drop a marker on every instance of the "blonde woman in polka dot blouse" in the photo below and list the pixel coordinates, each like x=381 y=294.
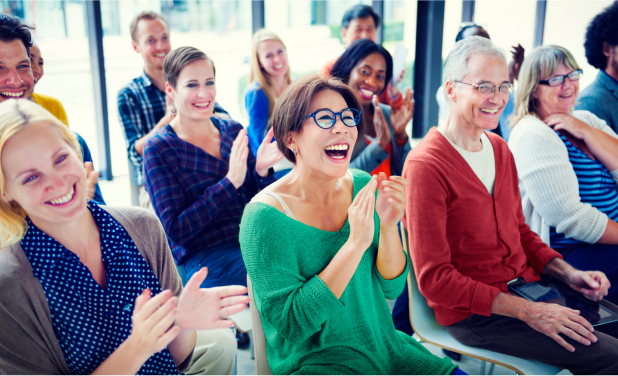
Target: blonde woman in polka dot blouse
x=87 y=288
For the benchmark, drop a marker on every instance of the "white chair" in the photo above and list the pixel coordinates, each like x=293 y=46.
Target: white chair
x=425 y=325
x=259 y=340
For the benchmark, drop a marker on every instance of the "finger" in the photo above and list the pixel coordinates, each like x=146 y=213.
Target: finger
x=583 y=323
x=163 y=311
x=224 y=323
x=556 y=337
x=269 y=136
x=590 y=281
x=227 y=291
x=88 y=167
x=231 y=310
x=196 y=280
x=141 y=300
x=162 y=323
x=164 y=340
x=381 y=178
x=233 y=300
x=153 y=304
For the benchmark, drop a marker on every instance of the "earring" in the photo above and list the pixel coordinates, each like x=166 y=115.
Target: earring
x=294 y=151
x=173 y=109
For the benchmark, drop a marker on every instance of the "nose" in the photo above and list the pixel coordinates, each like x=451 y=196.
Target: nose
x=13 y=78
x=55 y=182
x=339 y=127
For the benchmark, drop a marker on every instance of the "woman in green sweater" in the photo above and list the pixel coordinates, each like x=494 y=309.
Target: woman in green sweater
x=323 y=251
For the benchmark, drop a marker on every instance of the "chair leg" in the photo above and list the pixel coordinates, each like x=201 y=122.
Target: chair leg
x=235 y=369
x=483 y=363
x=251 y=345
x=491 y=369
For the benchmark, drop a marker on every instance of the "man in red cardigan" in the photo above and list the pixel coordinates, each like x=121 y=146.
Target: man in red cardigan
x=468 y=236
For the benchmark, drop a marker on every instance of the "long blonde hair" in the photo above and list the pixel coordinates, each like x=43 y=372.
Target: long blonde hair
x=257 y=74
x=15 y=115
x=538 y=66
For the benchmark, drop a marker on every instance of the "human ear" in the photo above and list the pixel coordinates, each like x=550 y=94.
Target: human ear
x=135 y=46
x=169 y=90
x=343 y=33
x=607 y=49
x=449 y=89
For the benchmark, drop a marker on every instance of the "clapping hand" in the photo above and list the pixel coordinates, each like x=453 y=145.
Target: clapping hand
x=515 y=65
x=92 y=177
x=392 y=88
x=238 y=159
x=267 y=154
x=383 y=134
x=400 y=118
x=360 y=215
x=391 y=199
x=202 y=309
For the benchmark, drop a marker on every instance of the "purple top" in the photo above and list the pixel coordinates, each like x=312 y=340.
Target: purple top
x=196 y=203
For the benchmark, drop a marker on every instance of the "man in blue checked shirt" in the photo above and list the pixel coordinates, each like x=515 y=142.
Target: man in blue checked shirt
x=143 y=106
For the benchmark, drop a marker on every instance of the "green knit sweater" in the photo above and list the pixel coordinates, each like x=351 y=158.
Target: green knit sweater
x=308 y=330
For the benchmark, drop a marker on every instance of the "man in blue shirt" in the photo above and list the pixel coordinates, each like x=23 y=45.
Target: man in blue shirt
x=143 y=106
x=601 y=45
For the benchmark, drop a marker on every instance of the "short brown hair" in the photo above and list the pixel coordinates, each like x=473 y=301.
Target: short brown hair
x=145 y=15
x=178 y=59
x=293 y=106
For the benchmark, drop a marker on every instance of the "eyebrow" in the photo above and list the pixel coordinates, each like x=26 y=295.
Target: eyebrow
x=489 y=82
x=34 y=169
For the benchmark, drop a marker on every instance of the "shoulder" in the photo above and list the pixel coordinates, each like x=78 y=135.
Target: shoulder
x=434 y=145
x=161 y=139
x=16 y=275
x=528 y=125
x=228 y=126
x=254 y=93
x=43 y=100
x=360 y=178
x=259 y=217
x=138 y=222
x=589 y=118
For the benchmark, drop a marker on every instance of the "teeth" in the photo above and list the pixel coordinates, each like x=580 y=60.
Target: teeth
x=15 y=95
x=487 y=110
x=64 y=199
x=367 y=92
x=201 y=104
x=279 y=66
x=160 y=55
x=337 y=147
x=567 y=95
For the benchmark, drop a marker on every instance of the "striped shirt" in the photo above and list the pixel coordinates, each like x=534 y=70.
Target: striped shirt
x=141 y=105
x=596 y=187
x=197 y=204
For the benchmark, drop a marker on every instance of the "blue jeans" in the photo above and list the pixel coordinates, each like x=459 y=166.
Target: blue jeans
x=602 y=257
x=225 y=266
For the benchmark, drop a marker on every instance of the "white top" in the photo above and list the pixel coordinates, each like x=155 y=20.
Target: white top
x=548 y=184
x=481 y=162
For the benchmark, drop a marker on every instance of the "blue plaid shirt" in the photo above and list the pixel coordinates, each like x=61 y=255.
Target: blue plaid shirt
x=141 y=105
x=197 y=204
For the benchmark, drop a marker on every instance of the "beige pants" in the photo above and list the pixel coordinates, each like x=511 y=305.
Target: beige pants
x=214 y=353
x=144 y=199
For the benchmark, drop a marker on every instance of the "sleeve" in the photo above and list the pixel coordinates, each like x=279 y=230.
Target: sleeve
x=549 y=180
x=395 y=103
x=87 y=157
x=369 y=158
x=392 y=288
x=426 y=218
x=182 y=221
x=132 y=122
x=257 y=182
x=296 y=306
x=400 y=153
x=62 y=115
x=220 y=109
x=256 y=104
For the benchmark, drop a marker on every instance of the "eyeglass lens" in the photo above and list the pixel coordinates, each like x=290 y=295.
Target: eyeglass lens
x=488 y=89
x=326 y=118
x=559 y=80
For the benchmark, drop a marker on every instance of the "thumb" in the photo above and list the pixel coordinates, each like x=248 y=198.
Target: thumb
x=269 y=136
x=591 y=282
x=197 y=279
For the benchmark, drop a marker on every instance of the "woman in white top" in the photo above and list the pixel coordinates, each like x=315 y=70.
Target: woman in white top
x=567 y=162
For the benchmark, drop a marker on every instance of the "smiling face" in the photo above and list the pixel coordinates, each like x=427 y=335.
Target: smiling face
x=153 y=42
x=557 y=99
x=360 y=28
x=44 y=175
x=16 y=79
x=326 y=151
x=273 y=58
x=468 y=105
x=36 y=62
x=368 y=77
x=195 y=91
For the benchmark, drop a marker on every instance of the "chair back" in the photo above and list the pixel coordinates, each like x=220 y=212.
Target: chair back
x=259 y=340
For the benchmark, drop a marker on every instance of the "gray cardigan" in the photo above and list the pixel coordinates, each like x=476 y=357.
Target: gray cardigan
x=28 y=344
x=368 y=157
x=601 y=98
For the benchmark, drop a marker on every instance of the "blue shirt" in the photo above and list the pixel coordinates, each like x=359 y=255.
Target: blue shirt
x=257 y=107
x=141 y=105
x=197 y=204
x=98 y=196
x=89 y=321
x=596 y=187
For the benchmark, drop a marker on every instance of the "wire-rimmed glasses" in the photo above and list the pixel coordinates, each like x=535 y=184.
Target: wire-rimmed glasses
x=488 y=89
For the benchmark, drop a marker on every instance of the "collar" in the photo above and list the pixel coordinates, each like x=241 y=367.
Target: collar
x=147 y=81
x=608 y=80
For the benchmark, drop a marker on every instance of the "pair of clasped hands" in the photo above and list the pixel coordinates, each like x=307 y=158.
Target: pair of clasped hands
x=157 y=320
x=389 y=204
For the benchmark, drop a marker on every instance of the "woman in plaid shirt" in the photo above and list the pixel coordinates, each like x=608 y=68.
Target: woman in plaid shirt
x=200 y=173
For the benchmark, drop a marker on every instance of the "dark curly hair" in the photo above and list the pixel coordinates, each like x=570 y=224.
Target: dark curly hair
x=12 y=28
x=602 y=28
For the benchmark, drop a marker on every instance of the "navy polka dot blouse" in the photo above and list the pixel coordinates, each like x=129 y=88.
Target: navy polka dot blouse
x=91 y=322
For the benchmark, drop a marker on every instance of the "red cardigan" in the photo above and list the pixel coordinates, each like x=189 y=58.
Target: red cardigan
x=466 y=245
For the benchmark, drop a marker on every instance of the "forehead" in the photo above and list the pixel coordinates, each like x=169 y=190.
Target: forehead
x=195 y=70
x=34 y=50
x=364 y=22
x=14 y=50
x=146 y=27
x=33 y=143
x=327 y=99
x=375 y=60
x=269 y=45
x=483 y=68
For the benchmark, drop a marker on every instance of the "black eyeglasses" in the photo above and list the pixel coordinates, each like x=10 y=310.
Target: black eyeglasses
x=326 y=118
x=488 y=89
x=559 y=80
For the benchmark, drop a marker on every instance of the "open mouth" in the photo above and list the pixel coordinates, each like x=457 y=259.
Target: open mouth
x=64 y=199
x=161 y=55
x=366 y=93
x=202 y=105
x=337 y=152
x=566 y=95
x=11 y=94
x=490 y=111
x=279 y=66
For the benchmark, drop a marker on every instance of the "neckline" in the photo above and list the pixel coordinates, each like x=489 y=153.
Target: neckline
x=565 y=139
x=217 y=125
x=345 y=224
x=467 y=166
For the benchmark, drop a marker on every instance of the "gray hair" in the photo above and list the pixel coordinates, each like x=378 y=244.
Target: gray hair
x=456 y=64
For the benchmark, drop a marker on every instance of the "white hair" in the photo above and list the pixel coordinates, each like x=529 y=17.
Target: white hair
x=456 y=64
